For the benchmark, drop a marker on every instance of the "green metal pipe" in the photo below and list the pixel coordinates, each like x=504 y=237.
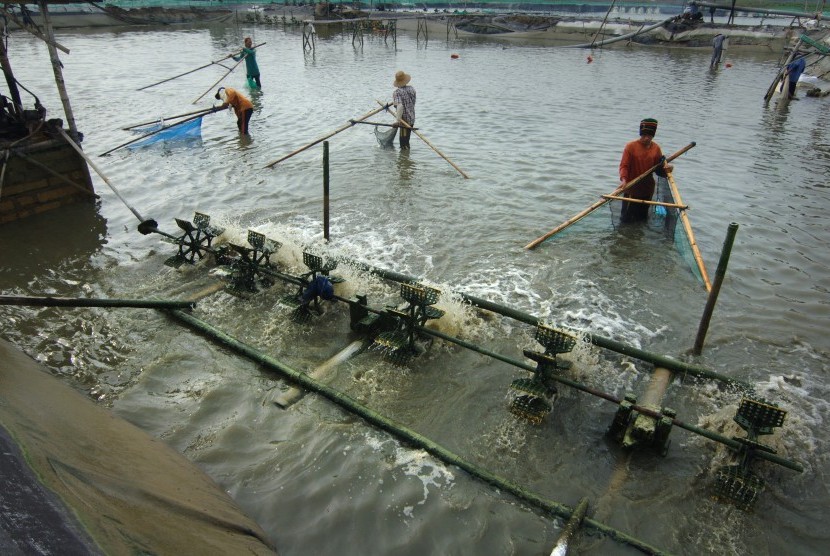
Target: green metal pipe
x=49 y=301
x=734 y=444
x=326 y=190
x=405 y=434
x=607 y=343
x=713 y=295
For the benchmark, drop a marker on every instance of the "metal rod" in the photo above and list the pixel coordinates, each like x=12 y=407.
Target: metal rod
x=80 y=151
x=574 y=523
x=398 y=430
x=713 y=294
x=607 y=343
x=49 y=301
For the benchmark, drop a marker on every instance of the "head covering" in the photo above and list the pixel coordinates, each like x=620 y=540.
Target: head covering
x=220 y=94
x=401 y=79
x=648 y=127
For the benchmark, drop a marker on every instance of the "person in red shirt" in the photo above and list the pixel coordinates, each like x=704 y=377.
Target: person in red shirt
x=241 y=106
x=638 y=157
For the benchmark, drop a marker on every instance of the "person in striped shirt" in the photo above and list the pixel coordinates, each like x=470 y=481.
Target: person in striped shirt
x=404 y=100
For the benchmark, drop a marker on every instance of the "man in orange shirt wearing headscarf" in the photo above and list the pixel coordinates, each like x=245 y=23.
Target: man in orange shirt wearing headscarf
x=241 y=106
x=639 y=156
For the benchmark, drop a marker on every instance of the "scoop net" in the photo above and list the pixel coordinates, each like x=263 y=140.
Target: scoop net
x=386 y=139
x=190 y=129
x=666 y=220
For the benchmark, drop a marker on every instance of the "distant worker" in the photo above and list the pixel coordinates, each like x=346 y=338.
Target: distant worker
x=793 y=71
x=639 y=156
x=404 y=100
x=717 y=50
x=251 y=66
x=241 y=106
x=712 y=10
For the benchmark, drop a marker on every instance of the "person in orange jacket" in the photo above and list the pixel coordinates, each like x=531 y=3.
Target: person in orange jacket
x=241 y=106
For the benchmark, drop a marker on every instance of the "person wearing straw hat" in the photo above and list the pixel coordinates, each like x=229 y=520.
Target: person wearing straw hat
x=639 y=156
x=404 y=100
x=241 y=106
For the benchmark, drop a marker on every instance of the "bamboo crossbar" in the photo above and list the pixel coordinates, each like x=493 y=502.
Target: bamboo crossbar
x=159 y=130
x=644 y=202
x=200 y=111
x=236 y=65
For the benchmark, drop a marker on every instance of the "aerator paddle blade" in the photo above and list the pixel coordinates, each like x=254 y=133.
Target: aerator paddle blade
x=530 y=408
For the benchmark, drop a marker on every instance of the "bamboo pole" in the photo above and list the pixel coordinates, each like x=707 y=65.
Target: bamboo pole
x=11 y=82
x=195 y=70
x=425 y=140
x=780 y=75
x=9 y=14
x=321 y=139
x=574 y=523
x=684 y=218
x=533 y=244
x=703 y=327
x=130 y=142
x=56 y=68
x=49 y=301
x=197 y=99
x=405 y=434
x=644 y=202
x=80 y=151
x=201 y=110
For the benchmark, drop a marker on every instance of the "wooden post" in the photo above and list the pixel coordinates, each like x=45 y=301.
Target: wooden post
x=713 y=295
x=326 y=190
x=56 y=67
x=10 y=80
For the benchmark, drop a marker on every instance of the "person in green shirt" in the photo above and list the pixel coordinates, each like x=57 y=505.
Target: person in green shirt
x=251 y=66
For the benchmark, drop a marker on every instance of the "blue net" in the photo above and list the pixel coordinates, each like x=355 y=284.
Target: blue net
x=177 y=132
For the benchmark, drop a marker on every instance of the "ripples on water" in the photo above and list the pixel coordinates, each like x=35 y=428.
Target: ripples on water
x=540 y=132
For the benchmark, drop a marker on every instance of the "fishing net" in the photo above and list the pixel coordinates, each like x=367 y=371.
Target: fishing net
x=186 y=130
x=386 y=139
x=665 y=220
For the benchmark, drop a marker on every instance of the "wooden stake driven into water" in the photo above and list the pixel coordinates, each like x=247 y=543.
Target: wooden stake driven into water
x=533 y=244
x=425 y=140
x=321 y=139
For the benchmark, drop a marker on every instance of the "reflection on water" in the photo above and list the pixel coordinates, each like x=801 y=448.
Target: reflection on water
x=540 y=133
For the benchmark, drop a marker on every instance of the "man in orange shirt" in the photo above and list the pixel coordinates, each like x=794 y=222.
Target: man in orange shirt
x=241 y=106
x=638 y=157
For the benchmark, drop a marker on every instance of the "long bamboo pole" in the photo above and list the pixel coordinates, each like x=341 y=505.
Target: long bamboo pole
x=80 y=151
x=201 y=110
x=227 y=73
x=684 y=218
x=321 y=139
x=425 y=140
x=195 y=70
x=130 y=142
x=533 y=244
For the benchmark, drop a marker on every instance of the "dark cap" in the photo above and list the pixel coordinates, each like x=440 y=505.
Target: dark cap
x=648 y=127
x=219 y=90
